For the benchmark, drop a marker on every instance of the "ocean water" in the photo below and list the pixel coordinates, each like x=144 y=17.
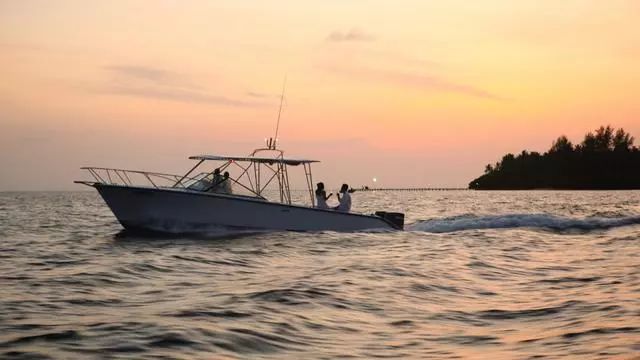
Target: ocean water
x=479 y=275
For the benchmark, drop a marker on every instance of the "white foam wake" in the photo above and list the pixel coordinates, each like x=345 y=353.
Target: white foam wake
x=541 y=221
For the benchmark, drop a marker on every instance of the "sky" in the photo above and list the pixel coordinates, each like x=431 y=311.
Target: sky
x=413 y=93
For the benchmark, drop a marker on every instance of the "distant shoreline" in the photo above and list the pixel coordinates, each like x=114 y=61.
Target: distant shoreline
x=604 y=160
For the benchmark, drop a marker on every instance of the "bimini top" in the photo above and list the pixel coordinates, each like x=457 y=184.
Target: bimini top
x=262 y=160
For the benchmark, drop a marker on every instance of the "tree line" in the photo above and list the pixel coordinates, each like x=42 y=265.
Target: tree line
x=605 y=159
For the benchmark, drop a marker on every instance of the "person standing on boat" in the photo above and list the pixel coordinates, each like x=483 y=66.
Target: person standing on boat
x=321 y=196
x=345 y=199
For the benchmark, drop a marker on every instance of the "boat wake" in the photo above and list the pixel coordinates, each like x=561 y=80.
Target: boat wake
x=508 y=221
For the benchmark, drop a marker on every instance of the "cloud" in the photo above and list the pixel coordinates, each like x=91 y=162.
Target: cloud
x=150 y=75
x=254 y=94
x=178 y=95
x=142 y=72
x=353 y=35
x=156 y=83
x=420 y=81
x=436 y=83
x=263 y=95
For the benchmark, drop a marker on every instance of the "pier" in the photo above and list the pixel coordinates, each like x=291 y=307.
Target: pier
x=412 y=189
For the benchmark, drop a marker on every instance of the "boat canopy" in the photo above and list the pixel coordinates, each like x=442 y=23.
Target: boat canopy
x=261 y=160
x=255 y=173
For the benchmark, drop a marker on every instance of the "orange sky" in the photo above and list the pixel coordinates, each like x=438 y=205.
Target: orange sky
x=415 y=93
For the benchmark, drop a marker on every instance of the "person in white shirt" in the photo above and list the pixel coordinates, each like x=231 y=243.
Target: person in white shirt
x=345 y=199
x=321 y=197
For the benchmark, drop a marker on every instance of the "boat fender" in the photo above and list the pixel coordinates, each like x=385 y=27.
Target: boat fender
x=397 y=219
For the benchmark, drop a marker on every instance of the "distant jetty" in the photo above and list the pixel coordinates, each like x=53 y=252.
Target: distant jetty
x=605 y=160
x=411 y=189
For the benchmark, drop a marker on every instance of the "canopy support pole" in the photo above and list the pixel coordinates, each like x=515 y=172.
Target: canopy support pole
x=188 y=173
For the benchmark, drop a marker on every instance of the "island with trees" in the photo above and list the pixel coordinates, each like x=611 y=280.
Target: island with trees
x=604 y=160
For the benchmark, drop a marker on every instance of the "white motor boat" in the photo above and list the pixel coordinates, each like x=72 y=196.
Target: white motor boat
x=156 y=202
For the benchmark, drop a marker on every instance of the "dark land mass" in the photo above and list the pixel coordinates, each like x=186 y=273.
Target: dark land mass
x=605 y=160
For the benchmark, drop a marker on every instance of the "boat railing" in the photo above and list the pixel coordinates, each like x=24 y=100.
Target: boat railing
x=124 y=177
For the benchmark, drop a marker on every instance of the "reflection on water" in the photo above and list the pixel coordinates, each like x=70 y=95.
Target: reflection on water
x=479 y=275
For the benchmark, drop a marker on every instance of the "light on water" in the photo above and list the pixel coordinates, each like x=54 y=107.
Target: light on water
x=476 y=275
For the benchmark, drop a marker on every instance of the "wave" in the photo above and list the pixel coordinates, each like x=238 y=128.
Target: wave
x=538 y=221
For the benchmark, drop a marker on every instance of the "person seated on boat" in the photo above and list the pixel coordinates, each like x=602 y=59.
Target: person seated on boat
x=345 y=199
x=217 y=177
x=225 y=186
x=321 y=196
x=216 y=181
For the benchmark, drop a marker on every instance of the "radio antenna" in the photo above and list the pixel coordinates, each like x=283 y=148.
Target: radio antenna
x=275 y=138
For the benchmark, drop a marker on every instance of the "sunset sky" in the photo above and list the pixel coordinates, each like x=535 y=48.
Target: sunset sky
x=415 y=93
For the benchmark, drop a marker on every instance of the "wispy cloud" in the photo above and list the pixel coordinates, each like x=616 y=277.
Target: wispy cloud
x=143 y=72
x=353 y=35
x=421 y=81
x=162 y=84
x=150 y=75
x=255 y=94
x=262 y=95
x=179 y=95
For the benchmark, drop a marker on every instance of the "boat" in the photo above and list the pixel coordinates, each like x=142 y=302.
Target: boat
x=154 y=202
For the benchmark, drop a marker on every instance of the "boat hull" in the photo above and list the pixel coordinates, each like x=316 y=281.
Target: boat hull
x=182 y=211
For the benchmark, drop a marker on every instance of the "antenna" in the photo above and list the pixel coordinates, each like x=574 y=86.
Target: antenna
x=275 y=138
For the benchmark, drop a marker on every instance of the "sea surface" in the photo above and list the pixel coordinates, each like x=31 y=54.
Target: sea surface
x=478 y=275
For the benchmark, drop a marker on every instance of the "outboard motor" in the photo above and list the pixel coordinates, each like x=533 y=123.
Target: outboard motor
x=397 y=219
